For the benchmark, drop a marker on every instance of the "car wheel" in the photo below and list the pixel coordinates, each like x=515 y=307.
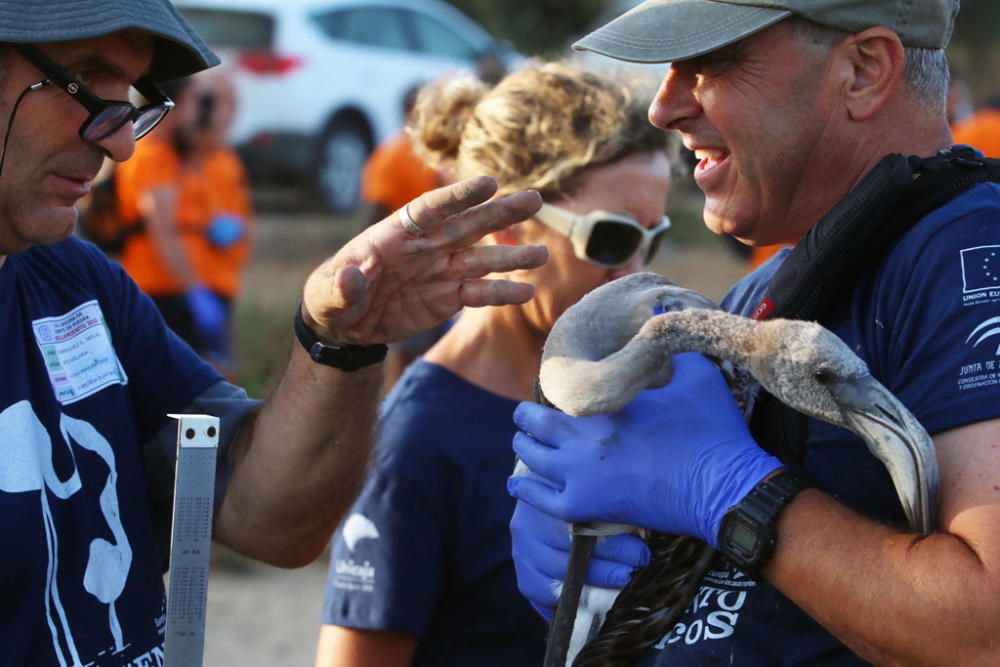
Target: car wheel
x=344 y=149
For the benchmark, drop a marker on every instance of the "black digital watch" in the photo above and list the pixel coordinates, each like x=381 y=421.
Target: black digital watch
x=347 y=358
x=747 y=533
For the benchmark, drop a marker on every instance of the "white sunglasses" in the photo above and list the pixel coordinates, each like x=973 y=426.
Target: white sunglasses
x=608 y=239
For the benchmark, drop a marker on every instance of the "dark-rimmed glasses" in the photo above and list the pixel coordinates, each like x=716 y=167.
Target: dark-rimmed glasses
x=608 y=239
x=106 y=116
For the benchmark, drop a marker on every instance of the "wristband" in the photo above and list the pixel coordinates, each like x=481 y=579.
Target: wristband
x=347 y=358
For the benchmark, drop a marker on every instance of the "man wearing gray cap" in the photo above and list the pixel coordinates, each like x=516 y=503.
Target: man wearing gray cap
x=799 y=112
x=89 y=371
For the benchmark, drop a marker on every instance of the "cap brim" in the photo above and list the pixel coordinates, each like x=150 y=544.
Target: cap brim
x=659 y=31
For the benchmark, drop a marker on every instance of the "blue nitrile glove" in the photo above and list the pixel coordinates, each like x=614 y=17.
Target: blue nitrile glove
x=226 y=229
x=674 y=460
x=209 y=316
x=541 y=554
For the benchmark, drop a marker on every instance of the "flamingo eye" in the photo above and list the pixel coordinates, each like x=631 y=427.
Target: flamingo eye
x=824 y=376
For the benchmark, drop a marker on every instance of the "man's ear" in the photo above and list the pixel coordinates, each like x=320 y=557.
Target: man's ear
x=876 y=61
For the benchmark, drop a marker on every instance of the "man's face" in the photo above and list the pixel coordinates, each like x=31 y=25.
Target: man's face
x=48 y=167
x=759 y=119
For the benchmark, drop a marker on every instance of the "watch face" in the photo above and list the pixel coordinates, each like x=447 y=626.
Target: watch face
x=742 y=537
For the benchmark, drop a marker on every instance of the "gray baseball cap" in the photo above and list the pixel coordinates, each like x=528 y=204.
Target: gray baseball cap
x=179 y=49
x=659 y=31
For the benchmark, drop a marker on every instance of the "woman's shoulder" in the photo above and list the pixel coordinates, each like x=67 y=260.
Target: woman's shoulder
x=434 y=412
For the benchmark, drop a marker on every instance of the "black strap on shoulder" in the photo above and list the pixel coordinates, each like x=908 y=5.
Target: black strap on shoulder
x=825 y=265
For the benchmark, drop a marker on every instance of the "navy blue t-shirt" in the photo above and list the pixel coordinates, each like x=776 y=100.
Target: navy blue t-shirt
x=927 y=322
x=426 y=549
x=89 y=372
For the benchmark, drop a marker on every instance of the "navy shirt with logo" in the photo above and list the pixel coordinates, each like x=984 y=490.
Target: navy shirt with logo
x=426 y=549
x=88 y=372
x=927 y=322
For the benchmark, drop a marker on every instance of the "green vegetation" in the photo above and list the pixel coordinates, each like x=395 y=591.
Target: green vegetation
x=535 y=27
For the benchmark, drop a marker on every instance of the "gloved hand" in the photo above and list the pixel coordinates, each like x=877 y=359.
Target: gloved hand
x=541 y=553
x=226 y=229
x=209 y=315
x=674 y=460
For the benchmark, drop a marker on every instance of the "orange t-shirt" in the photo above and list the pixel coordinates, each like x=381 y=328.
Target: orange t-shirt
x=394 y=175
x=981 y=131
x=217 y=186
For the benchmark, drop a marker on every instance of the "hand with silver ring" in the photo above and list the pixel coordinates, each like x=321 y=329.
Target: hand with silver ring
x=421 y=265
x=408 y=224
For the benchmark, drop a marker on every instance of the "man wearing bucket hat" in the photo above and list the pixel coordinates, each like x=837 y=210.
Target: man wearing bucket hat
x=89 y=371
x=792 y=107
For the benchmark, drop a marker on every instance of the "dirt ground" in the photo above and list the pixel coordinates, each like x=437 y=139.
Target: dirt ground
x=262 y=616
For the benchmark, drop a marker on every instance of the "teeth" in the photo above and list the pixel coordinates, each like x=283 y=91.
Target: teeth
x=709 y=153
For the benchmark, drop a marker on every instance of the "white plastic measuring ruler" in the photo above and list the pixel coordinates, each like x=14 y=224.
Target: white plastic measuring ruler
x=191 y=539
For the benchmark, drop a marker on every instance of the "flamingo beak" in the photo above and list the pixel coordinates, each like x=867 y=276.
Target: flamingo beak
x=897 y=439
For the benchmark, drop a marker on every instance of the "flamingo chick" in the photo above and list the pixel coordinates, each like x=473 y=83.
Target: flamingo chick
x=608 y=347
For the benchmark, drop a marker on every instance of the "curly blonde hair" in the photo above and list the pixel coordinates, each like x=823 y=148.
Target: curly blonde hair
x=540 y=128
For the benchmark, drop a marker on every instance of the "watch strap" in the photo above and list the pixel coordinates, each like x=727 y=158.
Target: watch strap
x=748 y=533
x=347 y=358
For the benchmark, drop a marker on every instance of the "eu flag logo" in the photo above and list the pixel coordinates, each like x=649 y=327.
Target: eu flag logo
x=981 y=268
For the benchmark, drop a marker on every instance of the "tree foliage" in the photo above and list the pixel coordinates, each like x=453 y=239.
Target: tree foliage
x=535 y=27
x=975 y=49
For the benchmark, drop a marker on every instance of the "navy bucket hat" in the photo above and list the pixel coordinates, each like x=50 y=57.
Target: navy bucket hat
x=179 y=50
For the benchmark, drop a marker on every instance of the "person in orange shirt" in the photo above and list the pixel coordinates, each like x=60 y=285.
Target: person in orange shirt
x=184 y=193
x=981 y=130
x=394 y=174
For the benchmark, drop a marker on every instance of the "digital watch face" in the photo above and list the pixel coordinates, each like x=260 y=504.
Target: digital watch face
x=742 y=537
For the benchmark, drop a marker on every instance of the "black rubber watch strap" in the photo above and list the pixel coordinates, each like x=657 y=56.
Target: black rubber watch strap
x=347 y=358
x=748 y=533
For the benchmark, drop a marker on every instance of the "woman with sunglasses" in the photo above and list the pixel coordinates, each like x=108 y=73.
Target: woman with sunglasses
x=421 y=571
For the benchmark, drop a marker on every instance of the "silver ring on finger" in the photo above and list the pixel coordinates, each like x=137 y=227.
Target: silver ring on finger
x=408 y=224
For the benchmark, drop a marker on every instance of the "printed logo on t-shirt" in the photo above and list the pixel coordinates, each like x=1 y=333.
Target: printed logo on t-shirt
x=351 y=574
x=714 y=611
x=980 y=275
x=982 y=373
x=28 y=467
x=78 y=353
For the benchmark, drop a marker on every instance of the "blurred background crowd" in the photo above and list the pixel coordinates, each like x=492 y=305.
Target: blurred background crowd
x=299 y=140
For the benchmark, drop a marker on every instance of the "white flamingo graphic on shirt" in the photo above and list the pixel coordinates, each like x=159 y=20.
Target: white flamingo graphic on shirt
x=27 y=467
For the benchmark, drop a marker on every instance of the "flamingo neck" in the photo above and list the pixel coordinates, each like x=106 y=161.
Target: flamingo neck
x=712 y=332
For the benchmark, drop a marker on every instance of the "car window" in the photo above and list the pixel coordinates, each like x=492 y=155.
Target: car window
x=381 y=27
x=225 y=29
x=438 y=39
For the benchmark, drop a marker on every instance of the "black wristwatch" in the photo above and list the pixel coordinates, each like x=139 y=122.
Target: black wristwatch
x=347 y=358
x=747 y=534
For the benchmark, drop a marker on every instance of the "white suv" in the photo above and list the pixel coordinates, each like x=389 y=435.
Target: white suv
x=321 y=82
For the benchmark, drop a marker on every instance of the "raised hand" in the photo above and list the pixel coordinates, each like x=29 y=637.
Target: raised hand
x=394 y=280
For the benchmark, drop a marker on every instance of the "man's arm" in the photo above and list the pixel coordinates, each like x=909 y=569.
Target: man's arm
x=898 y=598
x=346 y=647
x=299 y=463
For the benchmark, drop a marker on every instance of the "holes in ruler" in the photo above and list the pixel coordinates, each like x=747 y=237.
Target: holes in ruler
x=192 y=432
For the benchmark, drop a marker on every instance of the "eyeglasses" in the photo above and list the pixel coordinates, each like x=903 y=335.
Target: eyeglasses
x=608 y=239
x=106 y=116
